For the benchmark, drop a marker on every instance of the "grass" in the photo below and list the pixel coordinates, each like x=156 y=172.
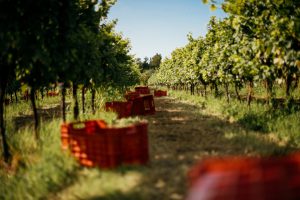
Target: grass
x=41 y=168
x=36 y=168
x=282 y=124
x=180 y=133
x=95 y=183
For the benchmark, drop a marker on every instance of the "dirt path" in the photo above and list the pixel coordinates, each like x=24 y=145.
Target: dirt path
x=179 y=135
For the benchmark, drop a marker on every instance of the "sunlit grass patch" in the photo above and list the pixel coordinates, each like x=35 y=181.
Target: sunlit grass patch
x=41 y=167
x=281 y=125
x=96 y=183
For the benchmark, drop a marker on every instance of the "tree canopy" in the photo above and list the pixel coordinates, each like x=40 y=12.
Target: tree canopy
x=258 y=41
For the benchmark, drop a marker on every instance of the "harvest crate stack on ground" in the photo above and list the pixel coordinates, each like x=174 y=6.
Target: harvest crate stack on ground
x=94 y=143
x=140 y=102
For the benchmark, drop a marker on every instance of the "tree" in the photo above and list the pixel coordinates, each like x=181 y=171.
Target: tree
x=258 y=42
x=9 y=42
x=155 y=61
x=145 y=64
x=65 y=41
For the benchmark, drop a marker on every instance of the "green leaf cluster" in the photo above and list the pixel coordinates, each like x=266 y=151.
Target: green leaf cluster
x=258 y=42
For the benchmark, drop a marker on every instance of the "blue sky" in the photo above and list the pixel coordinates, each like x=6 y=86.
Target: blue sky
x=160 y=26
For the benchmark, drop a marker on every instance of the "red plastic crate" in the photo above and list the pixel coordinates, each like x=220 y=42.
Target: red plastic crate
x=113 y=150
x=246 y=178
x=143 y=105
x=142 y=90
x=92 y=143
x=149 y=104
x=72 y=129
x=160 y=93
x=87 y=142
x=65 y=136
x=123 y=109
x=131 y=95
x=138 y=106
x=90 y=151
x=134 y=144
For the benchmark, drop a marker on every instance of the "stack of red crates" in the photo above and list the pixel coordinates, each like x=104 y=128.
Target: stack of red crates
x=246 y=178
x=93 y=143
x=136 y=104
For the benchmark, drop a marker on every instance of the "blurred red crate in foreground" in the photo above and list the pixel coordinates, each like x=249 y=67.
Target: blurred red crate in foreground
x=246 y=178
x=93 y=143
x=160 y=93
x=142 y=90
x=123 y=109
x=143 y=105
x=131 y=95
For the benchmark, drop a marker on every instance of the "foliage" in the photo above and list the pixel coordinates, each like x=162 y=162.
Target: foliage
x=148 y=66
x=257 y=43
x=155 y=61
x=41 y=168
x=70 y=42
